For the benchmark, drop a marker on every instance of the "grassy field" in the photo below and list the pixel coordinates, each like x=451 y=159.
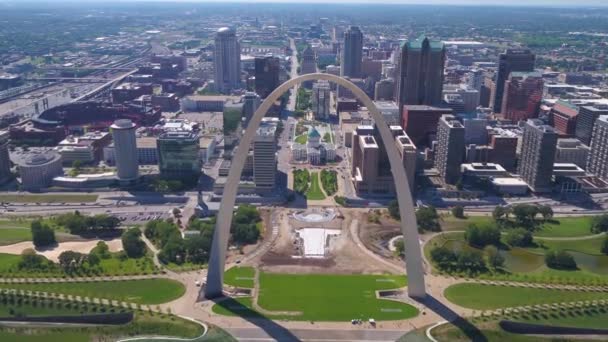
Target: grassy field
x=591 y=318
x=9 y=236
x=315 y=193
x=301 y=139
x=566 y=227
x=49 y=198
x=483 y=297
x=240 y=277
x=449 y=222
x=489 y=331
x=144 y=291
x=589 y=246
x=319 y=297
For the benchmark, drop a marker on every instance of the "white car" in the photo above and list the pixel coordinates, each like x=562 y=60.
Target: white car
x=197 y=283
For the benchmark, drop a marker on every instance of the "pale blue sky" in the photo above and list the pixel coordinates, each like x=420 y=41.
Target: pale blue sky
x=569 y=3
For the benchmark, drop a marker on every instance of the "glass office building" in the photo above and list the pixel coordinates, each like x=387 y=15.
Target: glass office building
x=178 y=155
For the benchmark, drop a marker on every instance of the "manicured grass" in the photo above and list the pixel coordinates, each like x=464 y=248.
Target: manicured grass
x=144 y=291
x=589 y=246
x=143 y=324
x=449 y=222
x=48 y=198
x=315 y=193
x=320 y=297
x=591 y=318
x=483 y=297
x=489 y=331
x=10 y=236
x=240 y=277
x=301 y=139
x=566 y=227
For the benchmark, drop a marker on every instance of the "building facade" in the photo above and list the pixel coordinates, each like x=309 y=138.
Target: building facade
x=522 y=96
x=450 y=149
x=420 y=122
x=321 y=99
x=227 y=60
x=267 y=71
x=597 y=163
x=5 y=162
x=587 y=116
x=352 y=53
x=421 y=73
x=125 y=149
x=511 y=60
x=178 y=155
x=538 y=155
x=264 y=156
x=38 y=170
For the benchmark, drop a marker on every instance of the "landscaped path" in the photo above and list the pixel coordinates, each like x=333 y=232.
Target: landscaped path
x=52 y=253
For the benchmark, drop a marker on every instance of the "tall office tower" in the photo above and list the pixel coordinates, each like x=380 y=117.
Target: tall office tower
x=384 y=89
x=450 y=150
x=586 y=119
x=352 y=53
x=179 y=155
x=510 y=61
x=267 y=70
x=420 y=73
x=125 y=149
x=476 y=79
x=523 y=93
x=251 y=102
x=597 y=162
x=308 y=65
x=320 y=99
x=537 y=155
x=5 y=161
x=370 y=166
x=264 y=156
x=227 y=60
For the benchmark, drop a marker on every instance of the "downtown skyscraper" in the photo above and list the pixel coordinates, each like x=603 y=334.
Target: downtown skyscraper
x=227 y=60
x=352 y=53
x=512 y=60
x=420 y=73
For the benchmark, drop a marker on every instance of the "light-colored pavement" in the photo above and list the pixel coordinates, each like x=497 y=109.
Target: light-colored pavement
x=52 y=253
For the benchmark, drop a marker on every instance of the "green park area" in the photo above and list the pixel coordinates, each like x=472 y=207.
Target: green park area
x=302 y=139
x=301 y=179
x=315 y=193
x=144 y=323
x=320 y=297
x=48 y=198
x=484 y=297
x=240 y=277
x=329 y=180
x=14 y=231
x=142 y=291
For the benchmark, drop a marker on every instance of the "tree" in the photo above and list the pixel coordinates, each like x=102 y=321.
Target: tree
x=604 y=248
x=393 y=209
x=244 y=227
x=71 y=261
x=599 y=224
x=101 y=250
x=470 y=261
x=132 y=243
x=428 y=219
x=519 y=237
x=525 y=215
x=499 y=213
x=560 y=260
x=400 y=246
x=481 y=236
x=443 y=257
x=494 y=260
x=42 y=234
x=33 y=262
x=458 y=212
x=546 y=211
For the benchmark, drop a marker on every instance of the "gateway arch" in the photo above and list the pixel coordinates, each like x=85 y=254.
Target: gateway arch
x=409 y=227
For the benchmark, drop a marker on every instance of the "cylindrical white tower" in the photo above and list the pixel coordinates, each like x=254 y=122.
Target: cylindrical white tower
x=125 y=149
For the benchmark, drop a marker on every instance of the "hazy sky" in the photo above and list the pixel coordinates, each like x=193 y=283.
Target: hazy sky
x=569 y=3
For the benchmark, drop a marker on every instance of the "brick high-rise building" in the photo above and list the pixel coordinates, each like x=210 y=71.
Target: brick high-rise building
x=352 y=52
x=450 y=149
x=523 y=93
x=267 y=70
x=420 y=74
x=538 y=155
x=420 y=122
x=5 y=162
x=563 y=117
x=383 y=90
x=512 y=60
x=597 y=162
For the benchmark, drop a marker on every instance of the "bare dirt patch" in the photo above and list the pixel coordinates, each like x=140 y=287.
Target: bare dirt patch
x=376 y=236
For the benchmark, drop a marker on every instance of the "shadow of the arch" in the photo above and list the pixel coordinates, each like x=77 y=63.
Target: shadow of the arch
x=409 y=228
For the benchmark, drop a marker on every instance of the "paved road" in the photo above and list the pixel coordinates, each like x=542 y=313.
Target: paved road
x=278 y=334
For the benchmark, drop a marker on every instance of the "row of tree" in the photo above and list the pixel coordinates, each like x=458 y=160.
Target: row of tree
x=79 y=224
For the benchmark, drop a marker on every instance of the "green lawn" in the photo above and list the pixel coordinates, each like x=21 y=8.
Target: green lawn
x=302 y=139
x=483 y=297
x=10 y=236
x=591 y=318
x=240 y=277
x=144 y=291
x=449 y=222
x=588 y=246
x=315 y=193
x=320 y=297
x=566 y=227
x=488 y=331
x=48 y=198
